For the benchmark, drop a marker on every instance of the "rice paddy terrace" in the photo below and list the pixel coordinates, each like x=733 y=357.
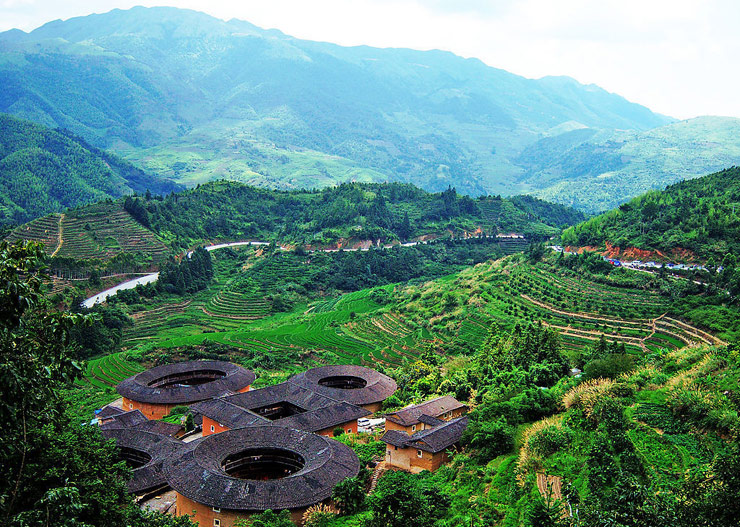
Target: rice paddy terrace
x=350 y=329
x=353 y=329
x=99 y=231
x=580 y=309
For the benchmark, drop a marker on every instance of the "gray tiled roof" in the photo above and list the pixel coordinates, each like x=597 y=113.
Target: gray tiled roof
x=283 y=392
x=157 y=446
x=136 y=420
x=431 y=421
x=227 y=414
x=108 y=412
x=433 y=440
x=198 y=474
x=378 y=387
x=434 y=408
x=320 y=412
x=323 y=418
x=140 y=388
x=126 y=420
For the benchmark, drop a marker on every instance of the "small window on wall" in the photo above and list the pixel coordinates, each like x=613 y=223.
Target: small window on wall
x=213 y=428
x=349 y=430
x=413 y=428
x=216 y=523
x=216 y=509
x=418 y=453
x=130 y=406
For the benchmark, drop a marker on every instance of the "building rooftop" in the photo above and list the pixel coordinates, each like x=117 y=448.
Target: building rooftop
x=145 y=452
x=237 y=469
x=136 y=420
x=227 y=414
x=410 y=415
x=432 y=440
x=352 y=384
x=108 y=411
x=283 y=404
x=323 y=418
x=186 y=382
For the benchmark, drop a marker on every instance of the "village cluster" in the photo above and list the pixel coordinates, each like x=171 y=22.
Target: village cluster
x=267 y=448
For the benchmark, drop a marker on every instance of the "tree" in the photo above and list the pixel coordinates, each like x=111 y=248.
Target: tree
x=399 y=501
x=53 y=472
x=349 y=495
x=489 y=438
x=267 y=519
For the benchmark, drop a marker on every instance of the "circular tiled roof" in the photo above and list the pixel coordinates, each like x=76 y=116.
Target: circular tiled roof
x=151 y=386
x=198 y=473
x=377 y=387
x=158 y=447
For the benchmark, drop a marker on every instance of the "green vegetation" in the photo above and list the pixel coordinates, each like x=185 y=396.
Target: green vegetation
x=341 y=215
x=695 y=219
x=581 y=452
x=44 y=171
x=55 y=473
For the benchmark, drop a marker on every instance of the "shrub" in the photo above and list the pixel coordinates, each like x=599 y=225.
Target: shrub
x=609 y=367
x=349 y=495
x=549 y=439
x=490 y=439
x=319 y=515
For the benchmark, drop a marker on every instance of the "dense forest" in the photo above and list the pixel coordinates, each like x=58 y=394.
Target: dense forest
x=44 y=170
x=351 y=211
x=695 y=218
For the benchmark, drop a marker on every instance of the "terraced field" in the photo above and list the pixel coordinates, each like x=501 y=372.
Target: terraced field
x=580 y=309
x=237 y=306
x=353 y=329
x=43 y=230
x=98 y=231
x=108 y=371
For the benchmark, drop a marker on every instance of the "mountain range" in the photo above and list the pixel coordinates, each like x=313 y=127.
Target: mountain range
x=195 y=98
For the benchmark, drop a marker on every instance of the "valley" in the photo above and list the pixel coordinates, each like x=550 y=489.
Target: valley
x=254 y=280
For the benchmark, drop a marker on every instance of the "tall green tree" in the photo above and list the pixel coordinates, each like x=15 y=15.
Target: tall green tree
x=53 y=472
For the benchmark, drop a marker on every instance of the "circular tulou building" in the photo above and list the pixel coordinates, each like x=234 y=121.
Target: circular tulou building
x=353 y=384
x=156 y=391
x=145 y=453
x=228 y=476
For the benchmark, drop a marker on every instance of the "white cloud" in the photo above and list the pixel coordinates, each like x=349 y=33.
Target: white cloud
x=676 y=56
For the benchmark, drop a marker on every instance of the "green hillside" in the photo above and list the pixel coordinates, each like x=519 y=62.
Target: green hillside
x=597 y=170
x=94 y=234
x=344 y=215
x=695 y=219
x=196 y=98
x=44 y=171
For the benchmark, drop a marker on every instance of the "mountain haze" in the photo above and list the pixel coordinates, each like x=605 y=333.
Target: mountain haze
x=201 y=98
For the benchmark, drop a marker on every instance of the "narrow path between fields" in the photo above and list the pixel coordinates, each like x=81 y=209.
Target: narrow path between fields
x=60 y=237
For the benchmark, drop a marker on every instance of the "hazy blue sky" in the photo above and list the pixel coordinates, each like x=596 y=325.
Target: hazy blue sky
x=679 y=57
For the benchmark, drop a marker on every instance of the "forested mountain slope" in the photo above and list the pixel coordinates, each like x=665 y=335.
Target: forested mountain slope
x=44 y=170
x=696 y=218
x=352 y=215
x=344 y=215
x=199 y=98
x=597 y=170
